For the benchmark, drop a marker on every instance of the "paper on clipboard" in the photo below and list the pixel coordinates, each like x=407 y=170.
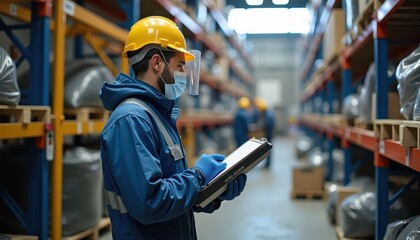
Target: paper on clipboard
x=243 y=159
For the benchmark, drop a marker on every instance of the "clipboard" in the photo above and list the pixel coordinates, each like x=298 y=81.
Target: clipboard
x=242 y=160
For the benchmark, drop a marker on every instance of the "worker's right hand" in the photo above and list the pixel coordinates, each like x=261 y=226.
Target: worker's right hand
x=210 y=165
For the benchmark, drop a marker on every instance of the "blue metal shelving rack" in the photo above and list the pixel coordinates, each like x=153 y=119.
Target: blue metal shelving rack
x=35 y=221
x=379 y=41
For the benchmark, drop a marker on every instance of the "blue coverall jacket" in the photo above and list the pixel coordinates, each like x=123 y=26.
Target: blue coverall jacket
x=155 y=193
x=240 y=126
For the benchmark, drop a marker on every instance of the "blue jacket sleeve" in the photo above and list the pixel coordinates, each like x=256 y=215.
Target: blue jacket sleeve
x=132 y=151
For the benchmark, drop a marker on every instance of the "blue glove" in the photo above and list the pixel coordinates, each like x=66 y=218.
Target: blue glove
x=234 y=188
x=210 y=165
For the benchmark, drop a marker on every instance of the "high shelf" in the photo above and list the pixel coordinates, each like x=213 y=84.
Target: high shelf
x=106 y=39
x=392 y=34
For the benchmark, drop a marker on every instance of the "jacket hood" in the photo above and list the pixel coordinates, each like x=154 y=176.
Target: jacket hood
x=112 y=94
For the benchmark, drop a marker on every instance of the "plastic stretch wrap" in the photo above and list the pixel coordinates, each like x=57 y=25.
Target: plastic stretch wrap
x=394 y=229
x=352 y=11
x=9 y=89
x=365 y=100
x=303 y=145
x=408 y=75
x=357 y=216
x=338 y=172
x=365 y=183
x=351 y=107
x=416 y=110
x=82 y=190
x=316 y=157
x=411 y=231
x=83 y=83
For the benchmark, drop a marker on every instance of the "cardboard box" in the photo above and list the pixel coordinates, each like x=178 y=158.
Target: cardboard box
x=343 y=193
x=334 y=32
x=308 y=178
x=393 y=106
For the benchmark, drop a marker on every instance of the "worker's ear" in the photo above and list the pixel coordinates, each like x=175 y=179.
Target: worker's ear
x=155 y=62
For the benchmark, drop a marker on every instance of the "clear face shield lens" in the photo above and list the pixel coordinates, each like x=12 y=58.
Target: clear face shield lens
x=192 y=70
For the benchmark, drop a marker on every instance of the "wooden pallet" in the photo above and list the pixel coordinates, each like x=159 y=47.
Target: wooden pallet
x=93 y=232
x=407 y=133
x=86 y=114
x=336 y=120
x=308 y=194
x=365 y=18
x=26 y=114
x=340 y=235
x=359 y=123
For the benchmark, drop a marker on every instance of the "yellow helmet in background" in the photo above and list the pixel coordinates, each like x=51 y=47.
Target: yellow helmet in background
x=159 y=31
x=260 y=104
x=244 y=103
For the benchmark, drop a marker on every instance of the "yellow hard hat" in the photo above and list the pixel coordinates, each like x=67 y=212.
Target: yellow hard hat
x=260 y=103
x=159 y=31
x=243 y=103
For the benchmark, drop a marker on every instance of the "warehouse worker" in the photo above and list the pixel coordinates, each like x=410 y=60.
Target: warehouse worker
x=241 y=121
x=266 y=119
x=149 y=189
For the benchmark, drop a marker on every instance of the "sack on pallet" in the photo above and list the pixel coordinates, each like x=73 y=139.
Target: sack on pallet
x=411 y=231
x=351 y=107
x=83 y=81
x=358 y=214
x=9 y=89
x=364 y=183
x=304 y=144
x=394 y=229
x=416 y=110
x=369 y=88
x=82 y=190
x=408 y=75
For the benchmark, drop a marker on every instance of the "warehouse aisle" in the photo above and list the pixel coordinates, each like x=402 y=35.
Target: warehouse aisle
x=265 y=211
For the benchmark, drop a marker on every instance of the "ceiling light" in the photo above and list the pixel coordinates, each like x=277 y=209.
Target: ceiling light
x=254 y=2
x=280 y=2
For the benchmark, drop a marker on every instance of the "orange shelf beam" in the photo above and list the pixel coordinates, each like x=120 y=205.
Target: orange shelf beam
x=73 y=127
x=19 y=130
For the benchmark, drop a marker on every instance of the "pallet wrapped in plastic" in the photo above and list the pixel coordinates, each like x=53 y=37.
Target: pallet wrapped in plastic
x=351 y=107
x=83 y=81
x=408 y=75
x=303 y=145
x=357 y=216
x=82 y=190
x=9 y=89
x=411 y=231
x=365 y=99
x=394 y=229
x=362 y=182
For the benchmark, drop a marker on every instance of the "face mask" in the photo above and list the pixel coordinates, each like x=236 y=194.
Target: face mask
x=175 y=90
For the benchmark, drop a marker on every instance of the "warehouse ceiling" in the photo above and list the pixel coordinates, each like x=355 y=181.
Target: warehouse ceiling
x=268 y=3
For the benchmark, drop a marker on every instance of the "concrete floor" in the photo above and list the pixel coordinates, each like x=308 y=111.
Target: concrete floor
x=264 y=211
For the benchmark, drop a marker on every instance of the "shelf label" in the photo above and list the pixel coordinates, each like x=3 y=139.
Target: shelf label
x=68 y=7
x=79 y=127
x=13 y=8
x=49 y=146
x=382 y=147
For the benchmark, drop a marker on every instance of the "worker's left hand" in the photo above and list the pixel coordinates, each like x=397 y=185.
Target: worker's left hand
x=234 y=188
